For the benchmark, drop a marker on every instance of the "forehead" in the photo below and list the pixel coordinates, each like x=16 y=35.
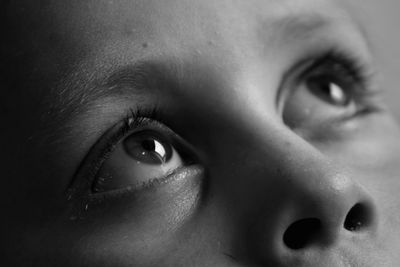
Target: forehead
x=58 y=36
x=75 y=45
x=82 y=27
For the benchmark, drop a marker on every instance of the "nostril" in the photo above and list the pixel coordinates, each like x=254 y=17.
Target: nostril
x=358 y=218
x=302 y=233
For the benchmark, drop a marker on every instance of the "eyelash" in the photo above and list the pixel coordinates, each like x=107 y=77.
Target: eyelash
x=348 y=66
x=139 y=117
x=357 y=69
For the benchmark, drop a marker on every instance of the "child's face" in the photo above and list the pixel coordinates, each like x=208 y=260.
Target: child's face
x=194 y=133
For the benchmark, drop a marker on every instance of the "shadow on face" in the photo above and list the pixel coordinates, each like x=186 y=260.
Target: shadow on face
x=187 y=133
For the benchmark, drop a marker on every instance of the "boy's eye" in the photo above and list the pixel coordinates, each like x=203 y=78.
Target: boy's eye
x=139 y=159
x=329 y=91
x=146 y=148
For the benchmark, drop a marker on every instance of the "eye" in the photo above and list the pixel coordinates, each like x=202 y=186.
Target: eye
x=332 y=89
x=137 y=160
x=146 y=147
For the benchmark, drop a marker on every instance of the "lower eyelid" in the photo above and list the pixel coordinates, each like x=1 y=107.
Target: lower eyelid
x=169 y=185
x=121 y=170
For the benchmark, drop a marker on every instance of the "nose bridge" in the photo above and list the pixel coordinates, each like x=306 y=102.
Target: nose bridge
x=306 y=201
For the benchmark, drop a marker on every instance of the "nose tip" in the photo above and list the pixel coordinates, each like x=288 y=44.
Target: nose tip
x=318 y=209
x=325 y=210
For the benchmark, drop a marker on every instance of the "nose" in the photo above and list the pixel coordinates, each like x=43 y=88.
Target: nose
x=308 y=209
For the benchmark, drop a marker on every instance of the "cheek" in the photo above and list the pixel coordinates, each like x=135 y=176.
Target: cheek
x=384 y=186
x=369 y=145
x=139 y=229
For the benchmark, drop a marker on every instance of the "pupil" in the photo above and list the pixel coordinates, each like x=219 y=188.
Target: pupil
x=146 y=148
x=148 y=145
x=329 y=91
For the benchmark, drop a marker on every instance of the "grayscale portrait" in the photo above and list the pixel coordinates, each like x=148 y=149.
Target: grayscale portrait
x=152 y=133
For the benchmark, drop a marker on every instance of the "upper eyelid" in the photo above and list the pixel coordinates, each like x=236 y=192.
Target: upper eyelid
x=360 y=70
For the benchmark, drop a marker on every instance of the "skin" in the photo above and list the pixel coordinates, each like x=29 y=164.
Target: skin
x=214 y=70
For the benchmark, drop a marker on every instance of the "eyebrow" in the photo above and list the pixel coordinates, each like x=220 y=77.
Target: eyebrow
x=138 y=79
x=130 y=75
x=302 y=26
x=141 y=77
x=79 y=93
x=294 y=28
